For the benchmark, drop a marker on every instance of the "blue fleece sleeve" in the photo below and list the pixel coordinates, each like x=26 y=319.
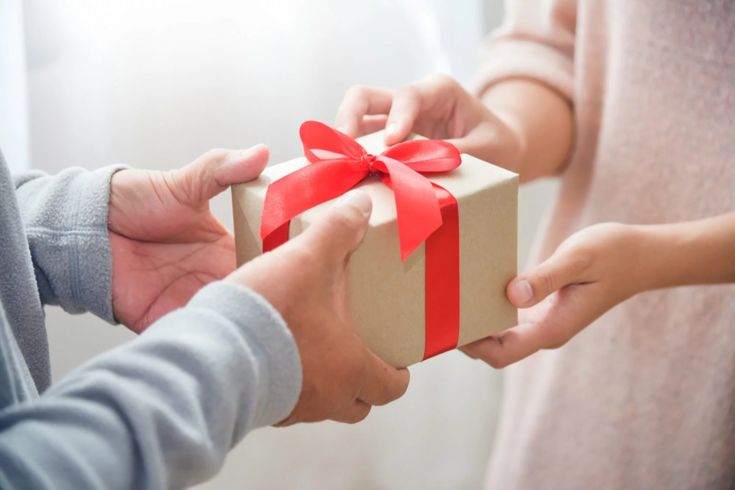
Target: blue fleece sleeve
x=163 y=410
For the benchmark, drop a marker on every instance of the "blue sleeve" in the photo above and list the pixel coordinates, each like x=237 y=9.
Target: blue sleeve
x=163 y=410
x=65 y=218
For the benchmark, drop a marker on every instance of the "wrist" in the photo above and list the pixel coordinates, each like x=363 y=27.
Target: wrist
x=117 y=191
x=670 y=255
x=650 y=266
x=695 y=252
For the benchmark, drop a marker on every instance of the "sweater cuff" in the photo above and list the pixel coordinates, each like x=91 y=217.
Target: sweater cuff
x=66 y=223
x=266 y=333
x=91 y=285
x=516 y=58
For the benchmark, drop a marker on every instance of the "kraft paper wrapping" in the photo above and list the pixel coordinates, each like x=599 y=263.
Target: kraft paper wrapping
x=386 y=295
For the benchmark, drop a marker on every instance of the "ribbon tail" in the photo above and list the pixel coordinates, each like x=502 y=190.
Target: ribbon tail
x=442 y=280
x=417 y=206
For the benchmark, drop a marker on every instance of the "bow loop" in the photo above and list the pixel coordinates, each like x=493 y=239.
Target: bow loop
x=425 y=156
x=324 y=143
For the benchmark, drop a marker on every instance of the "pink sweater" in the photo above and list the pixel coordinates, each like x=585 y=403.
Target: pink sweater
x=644 y=397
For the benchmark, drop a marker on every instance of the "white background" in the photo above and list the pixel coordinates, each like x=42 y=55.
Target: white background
x=155 y=83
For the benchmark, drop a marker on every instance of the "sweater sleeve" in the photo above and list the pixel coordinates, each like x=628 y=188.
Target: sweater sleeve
x=65 y=218
x=163 y=410
x=536 y=40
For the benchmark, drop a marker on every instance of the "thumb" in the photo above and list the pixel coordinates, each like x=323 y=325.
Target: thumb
x=342 y=227
x=563 y=268
x=216 y=170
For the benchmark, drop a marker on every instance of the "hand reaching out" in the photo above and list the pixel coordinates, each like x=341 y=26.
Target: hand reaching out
x=436 y=107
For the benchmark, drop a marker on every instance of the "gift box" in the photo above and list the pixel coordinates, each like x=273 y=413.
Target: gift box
x=411 y=296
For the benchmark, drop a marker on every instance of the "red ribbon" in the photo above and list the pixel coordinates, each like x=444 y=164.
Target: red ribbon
x=426 y=212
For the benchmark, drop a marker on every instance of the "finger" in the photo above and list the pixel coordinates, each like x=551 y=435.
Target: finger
x=508 y=346
x=341 y=228
x=371 y=124
x=358 y=102
x=563 y=268
x=521 y=341
x=241 y=166
x=555 y=321
x=216 y=170
x=403 y=113
x=353 y=414
x=422 y=105
x=491 y=141
x=383 y=383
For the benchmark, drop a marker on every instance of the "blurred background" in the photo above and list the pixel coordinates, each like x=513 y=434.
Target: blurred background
x=156 y=83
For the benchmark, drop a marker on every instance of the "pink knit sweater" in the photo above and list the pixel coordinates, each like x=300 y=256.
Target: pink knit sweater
x=645 y=396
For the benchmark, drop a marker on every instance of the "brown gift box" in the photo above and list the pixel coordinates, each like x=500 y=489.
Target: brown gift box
x=387 y=295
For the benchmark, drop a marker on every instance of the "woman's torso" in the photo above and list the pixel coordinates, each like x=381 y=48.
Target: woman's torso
x=644 y=397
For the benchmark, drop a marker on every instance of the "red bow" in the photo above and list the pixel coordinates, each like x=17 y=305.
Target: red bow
x=338 y=163
x=426 y=212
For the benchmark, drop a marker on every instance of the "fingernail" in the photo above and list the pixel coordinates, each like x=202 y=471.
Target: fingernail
x=391 y=129
x=236 y=156
x=522 y=291
x=358 y=199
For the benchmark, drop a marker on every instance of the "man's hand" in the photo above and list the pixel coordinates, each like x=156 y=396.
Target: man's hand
x=592 y=271
x=436 y=107
x=166 y=244
x=305 y=280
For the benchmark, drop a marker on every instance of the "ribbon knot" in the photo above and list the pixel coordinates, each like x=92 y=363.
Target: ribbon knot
x=368 y=160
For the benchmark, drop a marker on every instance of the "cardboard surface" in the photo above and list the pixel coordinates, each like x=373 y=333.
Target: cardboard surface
x=387 y=295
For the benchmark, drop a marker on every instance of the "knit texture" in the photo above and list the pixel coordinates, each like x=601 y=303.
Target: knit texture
x=645 y=396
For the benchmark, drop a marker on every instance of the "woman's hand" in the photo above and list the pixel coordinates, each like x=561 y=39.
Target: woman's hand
x=436 y=107
x=592 y=271
x=519 y=124
x=166 y=244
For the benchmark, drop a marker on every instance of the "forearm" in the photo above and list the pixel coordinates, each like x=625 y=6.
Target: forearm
x=163 y=410
x=693 y=252
x=543 y=120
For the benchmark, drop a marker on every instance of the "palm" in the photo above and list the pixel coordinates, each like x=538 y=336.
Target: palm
x=165 y=242
x=152 y=279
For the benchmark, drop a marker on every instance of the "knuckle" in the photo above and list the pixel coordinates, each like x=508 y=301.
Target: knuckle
x=344 y=218
x=408 y=92
x=545 y=282
x=216 y=154
x=443 y=81
x=363 y=415
x=496 y=363
x=359 y=413
x=357 y=92
x=578 y=255
x=558 y=335
x=583 y=261
x=555 y=343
